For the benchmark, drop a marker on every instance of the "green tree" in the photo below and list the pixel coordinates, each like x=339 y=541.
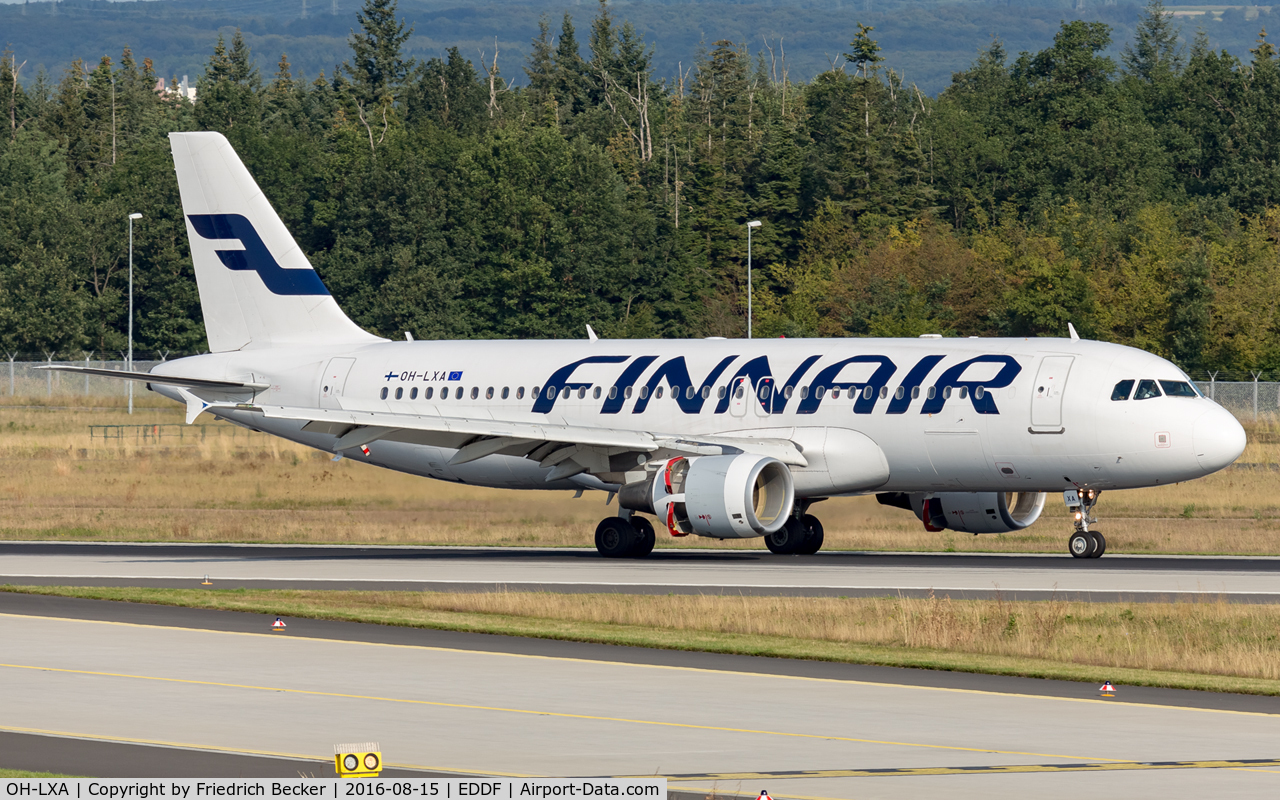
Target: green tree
x=283 y=108
x=378 y=68
x=450 y=95
x=1154 y=56
x=68 y=123
x=229 y=91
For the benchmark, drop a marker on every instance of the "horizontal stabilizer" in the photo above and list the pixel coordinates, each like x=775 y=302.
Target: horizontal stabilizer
x=162 y=380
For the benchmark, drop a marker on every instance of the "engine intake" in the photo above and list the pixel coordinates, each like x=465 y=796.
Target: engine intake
x=726 y=497
x=970 y=512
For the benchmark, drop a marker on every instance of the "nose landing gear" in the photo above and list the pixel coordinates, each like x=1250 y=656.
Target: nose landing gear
x=1084 y=543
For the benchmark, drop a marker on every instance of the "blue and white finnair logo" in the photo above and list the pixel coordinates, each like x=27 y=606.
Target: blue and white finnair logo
x=255 y=255
x=690 y=395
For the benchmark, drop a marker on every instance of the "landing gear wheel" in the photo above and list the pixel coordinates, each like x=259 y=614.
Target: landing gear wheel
x=646 y=537
x=788 y=539
x=1080 y=544
x=615 y=537
x=813 y=535
x=1099 y=545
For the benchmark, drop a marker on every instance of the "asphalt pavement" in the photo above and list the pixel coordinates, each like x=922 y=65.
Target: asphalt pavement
x=1113 y=578
x=177 y=683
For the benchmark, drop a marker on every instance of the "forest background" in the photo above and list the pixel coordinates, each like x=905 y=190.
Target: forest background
x=1129 y=186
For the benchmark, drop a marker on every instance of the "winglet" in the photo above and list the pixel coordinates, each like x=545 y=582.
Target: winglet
x=1075 y=337
x=591 y=334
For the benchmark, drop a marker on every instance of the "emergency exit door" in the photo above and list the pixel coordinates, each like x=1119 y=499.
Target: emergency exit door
x=1046 y=394
x=333 y=382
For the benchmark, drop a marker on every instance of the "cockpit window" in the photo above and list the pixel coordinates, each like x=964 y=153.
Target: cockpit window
x=1177 y=389
x=1146 y=390
x=1121 y=392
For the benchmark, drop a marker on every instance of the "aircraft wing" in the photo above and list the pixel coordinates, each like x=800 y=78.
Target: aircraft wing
x=163 y=380
x=569 y=449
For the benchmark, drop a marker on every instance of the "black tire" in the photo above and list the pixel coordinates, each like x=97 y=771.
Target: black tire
x=646 y=538
x=615 y=537
x=1080 y=545
x=788 y=539
x=813 y=535
x=1099 y=544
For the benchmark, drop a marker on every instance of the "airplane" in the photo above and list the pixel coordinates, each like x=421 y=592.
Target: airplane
x=718 y=438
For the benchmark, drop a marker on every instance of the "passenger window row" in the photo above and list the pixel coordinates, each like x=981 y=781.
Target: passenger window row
x=458 y=393
x=1148 y=389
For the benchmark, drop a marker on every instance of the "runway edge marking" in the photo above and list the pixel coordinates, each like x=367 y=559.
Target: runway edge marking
x=851 y=682
x=1248 y=764
x=244 y=751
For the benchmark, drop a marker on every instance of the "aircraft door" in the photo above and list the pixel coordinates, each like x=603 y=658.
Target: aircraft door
x=1046 y=394
x=333 y=382
x=739 y=392
x=764 y=394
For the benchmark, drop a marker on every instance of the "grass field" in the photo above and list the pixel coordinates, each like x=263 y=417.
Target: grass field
x=1213 y=646
x=56 y=482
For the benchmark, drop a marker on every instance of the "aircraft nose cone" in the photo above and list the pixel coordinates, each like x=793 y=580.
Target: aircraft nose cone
x=1218 y=438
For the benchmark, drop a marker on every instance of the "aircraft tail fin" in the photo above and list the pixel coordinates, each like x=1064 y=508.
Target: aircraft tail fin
x=257 y=288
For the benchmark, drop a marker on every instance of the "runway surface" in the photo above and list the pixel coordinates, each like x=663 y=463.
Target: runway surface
x=206 y=682
x=1111 y=578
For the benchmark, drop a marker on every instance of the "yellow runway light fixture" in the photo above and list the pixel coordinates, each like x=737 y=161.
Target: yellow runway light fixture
x=362 y=760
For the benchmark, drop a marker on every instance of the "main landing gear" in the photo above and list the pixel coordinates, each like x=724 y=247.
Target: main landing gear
x=625 y=538
x=1084 y=543
x=801 y=536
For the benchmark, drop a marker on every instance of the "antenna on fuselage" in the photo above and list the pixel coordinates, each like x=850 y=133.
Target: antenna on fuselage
x=591 y=334
x=1075 y=337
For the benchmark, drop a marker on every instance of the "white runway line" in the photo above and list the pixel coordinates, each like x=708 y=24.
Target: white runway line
x=127 y=563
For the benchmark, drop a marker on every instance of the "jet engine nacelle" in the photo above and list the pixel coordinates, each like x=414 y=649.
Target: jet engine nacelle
x=971 y=512
x=726 y=497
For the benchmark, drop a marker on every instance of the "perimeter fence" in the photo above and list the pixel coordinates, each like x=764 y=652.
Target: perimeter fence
x=24 y=379
x=1247 y=399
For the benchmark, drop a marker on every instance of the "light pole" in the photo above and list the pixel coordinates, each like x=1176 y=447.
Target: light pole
x=750 y=225
x=128 y=365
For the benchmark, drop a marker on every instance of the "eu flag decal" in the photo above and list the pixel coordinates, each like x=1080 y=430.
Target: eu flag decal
x=455 y=376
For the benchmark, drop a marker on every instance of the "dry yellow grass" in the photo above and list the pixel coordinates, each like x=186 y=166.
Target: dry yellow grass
x=1212 y=638
x=58 y=483
x=1213 y=645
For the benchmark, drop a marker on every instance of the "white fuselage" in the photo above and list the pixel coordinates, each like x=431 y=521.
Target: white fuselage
x=949 y=415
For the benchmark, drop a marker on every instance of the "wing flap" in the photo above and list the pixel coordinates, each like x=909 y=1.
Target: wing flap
x=603 y=437
x=555 y=446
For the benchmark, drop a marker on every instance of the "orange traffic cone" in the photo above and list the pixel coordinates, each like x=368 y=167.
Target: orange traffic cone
x=278 y=625
x=1108 y=690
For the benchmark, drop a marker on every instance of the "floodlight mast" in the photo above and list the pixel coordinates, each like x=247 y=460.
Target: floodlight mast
x=128 y=365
